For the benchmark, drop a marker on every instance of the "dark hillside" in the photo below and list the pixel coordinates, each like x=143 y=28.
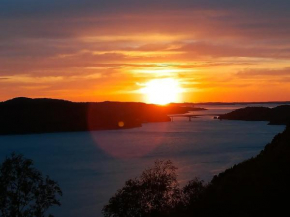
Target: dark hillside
x=256 y=187
x=24 y=115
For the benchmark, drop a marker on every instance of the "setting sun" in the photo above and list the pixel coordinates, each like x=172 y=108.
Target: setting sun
x=162 y=91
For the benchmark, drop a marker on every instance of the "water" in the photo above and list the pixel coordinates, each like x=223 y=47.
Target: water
x=91 y=166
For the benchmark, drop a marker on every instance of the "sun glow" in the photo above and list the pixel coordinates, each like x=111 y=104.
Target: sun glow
x=162 y=91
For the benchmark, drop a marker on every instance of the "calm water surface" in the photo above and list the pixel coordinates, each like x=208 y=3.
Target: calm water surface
x=91 y=166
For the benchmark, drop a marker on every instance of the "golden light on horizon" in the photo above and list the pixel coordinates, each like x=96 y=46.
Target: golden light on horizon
x=162 y=91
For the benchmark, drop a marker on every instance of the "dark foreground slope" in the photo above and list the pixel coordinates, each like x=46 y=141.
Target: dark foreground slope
x=277 y=115
x=257 y=187
x=25 y=115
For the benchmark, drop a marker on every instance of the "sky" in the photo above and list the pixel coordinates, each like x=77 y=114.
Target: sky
x=98 y=50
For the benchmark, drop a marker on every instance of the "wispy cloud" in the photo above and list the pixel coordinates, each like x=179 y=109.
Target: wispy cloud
x=249 y=73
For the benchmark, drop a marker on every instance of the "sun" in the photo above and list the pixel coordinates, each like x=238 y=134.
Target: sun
x=162 y=91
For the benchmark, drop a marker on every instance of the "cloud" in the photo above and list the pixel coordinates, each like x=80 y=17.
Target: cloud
x=59 y=45
x=233 y=50
x=68 y=18
x=264 y=73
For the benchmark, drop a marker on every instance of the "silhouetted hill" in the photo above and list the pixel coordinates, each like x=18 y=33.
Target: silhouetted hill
x=25 y=115
x=257 y=187
x=277 y=115
x=25 y=100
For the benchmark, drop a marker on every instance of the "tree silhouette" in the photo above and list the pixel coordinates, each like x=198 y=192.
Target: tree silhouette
x=192 y=198
x=24 y=192
x=193 y=192
x=154 y=193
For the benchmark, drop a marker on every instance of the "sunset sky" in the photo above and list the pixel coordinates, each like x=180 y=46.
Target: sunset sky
x=97 y=50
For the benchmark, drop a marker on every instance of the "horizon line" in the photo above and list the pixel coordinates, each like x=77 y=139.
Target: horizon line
x=212 y=102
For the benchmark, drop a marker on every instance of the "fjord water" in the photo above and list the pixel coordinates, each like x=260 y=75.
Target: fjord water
x=91 y=166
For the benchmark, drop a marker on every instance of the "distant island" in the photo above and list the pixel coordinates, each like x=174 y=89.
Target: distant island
x=26 y=116
x=241 y=103
x=279 y=115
